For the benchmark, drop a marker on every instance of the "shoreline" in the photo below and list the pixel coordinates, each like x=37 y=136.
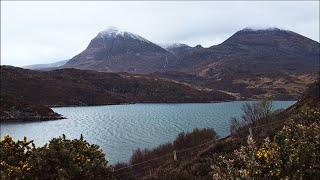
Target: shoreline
x=31 y=119
x=43 y=119
x=129 y=103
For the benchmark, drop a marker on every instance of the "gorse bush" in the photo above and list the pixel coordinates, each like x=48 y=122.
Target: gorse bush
x=60 y=159
x=293 y=153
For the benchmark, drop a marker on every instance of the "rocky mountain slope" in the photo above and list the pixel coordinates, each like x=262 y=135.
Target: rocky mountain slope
x=83 y=87
x=113 y=50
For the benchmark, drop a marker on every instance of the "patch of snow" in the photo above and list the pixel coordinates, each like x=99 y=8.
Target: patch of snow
x=115 y=32
x=254 y=29
x=173 y=45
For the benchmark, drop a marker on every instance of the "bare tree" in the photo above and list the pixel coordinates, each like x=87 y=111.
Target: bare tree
x=252 y=114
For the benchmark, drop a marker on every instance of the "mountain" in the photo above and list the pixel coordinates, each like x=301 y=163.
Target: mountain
x=249 y=52
x=254 y=63
x=65 y=87
x=113 y=50
x=46 y=66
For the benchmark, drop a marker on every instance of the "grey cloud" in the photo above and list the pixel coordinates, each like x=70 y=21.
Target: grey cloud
x=41 y=32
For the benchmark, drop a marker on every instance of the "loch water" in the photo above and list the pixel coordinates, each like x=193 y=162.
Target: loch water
x=120 y=129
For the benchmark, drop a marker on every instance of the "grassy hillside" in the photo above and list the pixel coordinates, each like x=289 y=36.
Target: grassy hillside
x=282 y=86
x=82 y=87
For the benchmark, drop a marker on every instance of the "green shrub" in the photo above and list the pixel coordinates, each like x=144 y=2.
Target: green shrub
x=60 y=159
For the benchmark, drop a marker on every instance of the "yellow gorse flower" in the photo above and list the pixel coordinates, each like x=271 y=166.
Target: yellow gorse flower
x=262 y=153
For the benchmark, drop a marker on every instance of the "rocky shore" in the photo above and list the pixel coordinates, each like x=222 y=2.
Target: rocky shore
x=14 y=110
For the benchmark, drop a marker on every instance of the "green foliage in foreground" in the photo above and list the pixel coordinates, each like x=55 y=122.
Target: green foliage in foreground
x=60 y=159
x=293 y=153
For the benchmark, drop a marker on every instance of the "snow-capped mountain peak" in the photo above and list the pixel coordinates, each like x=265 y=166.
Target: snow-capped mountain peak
x=114 y=32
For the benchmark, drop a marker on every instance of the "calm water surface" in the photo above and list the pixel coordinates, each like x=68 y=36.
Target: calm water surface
x=119 y=129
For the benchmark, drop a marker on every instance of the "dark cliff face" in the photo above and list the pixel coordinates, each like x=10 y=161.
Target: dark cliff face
x=116 y=51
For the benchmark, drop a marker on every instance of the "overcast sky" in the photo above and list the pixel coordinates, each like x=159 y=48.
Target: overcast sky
x=43 y=32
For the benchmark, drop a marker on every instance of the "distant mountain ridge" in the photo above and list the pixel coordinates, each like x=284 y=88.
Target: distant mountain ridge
x=113 y=50
x=254 y=52
x=46 y=66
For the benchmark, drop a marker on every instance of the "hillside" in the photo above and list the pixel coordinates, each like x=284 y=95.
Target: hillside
x=66 y=87
x=11 y=109
x=280 y=86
